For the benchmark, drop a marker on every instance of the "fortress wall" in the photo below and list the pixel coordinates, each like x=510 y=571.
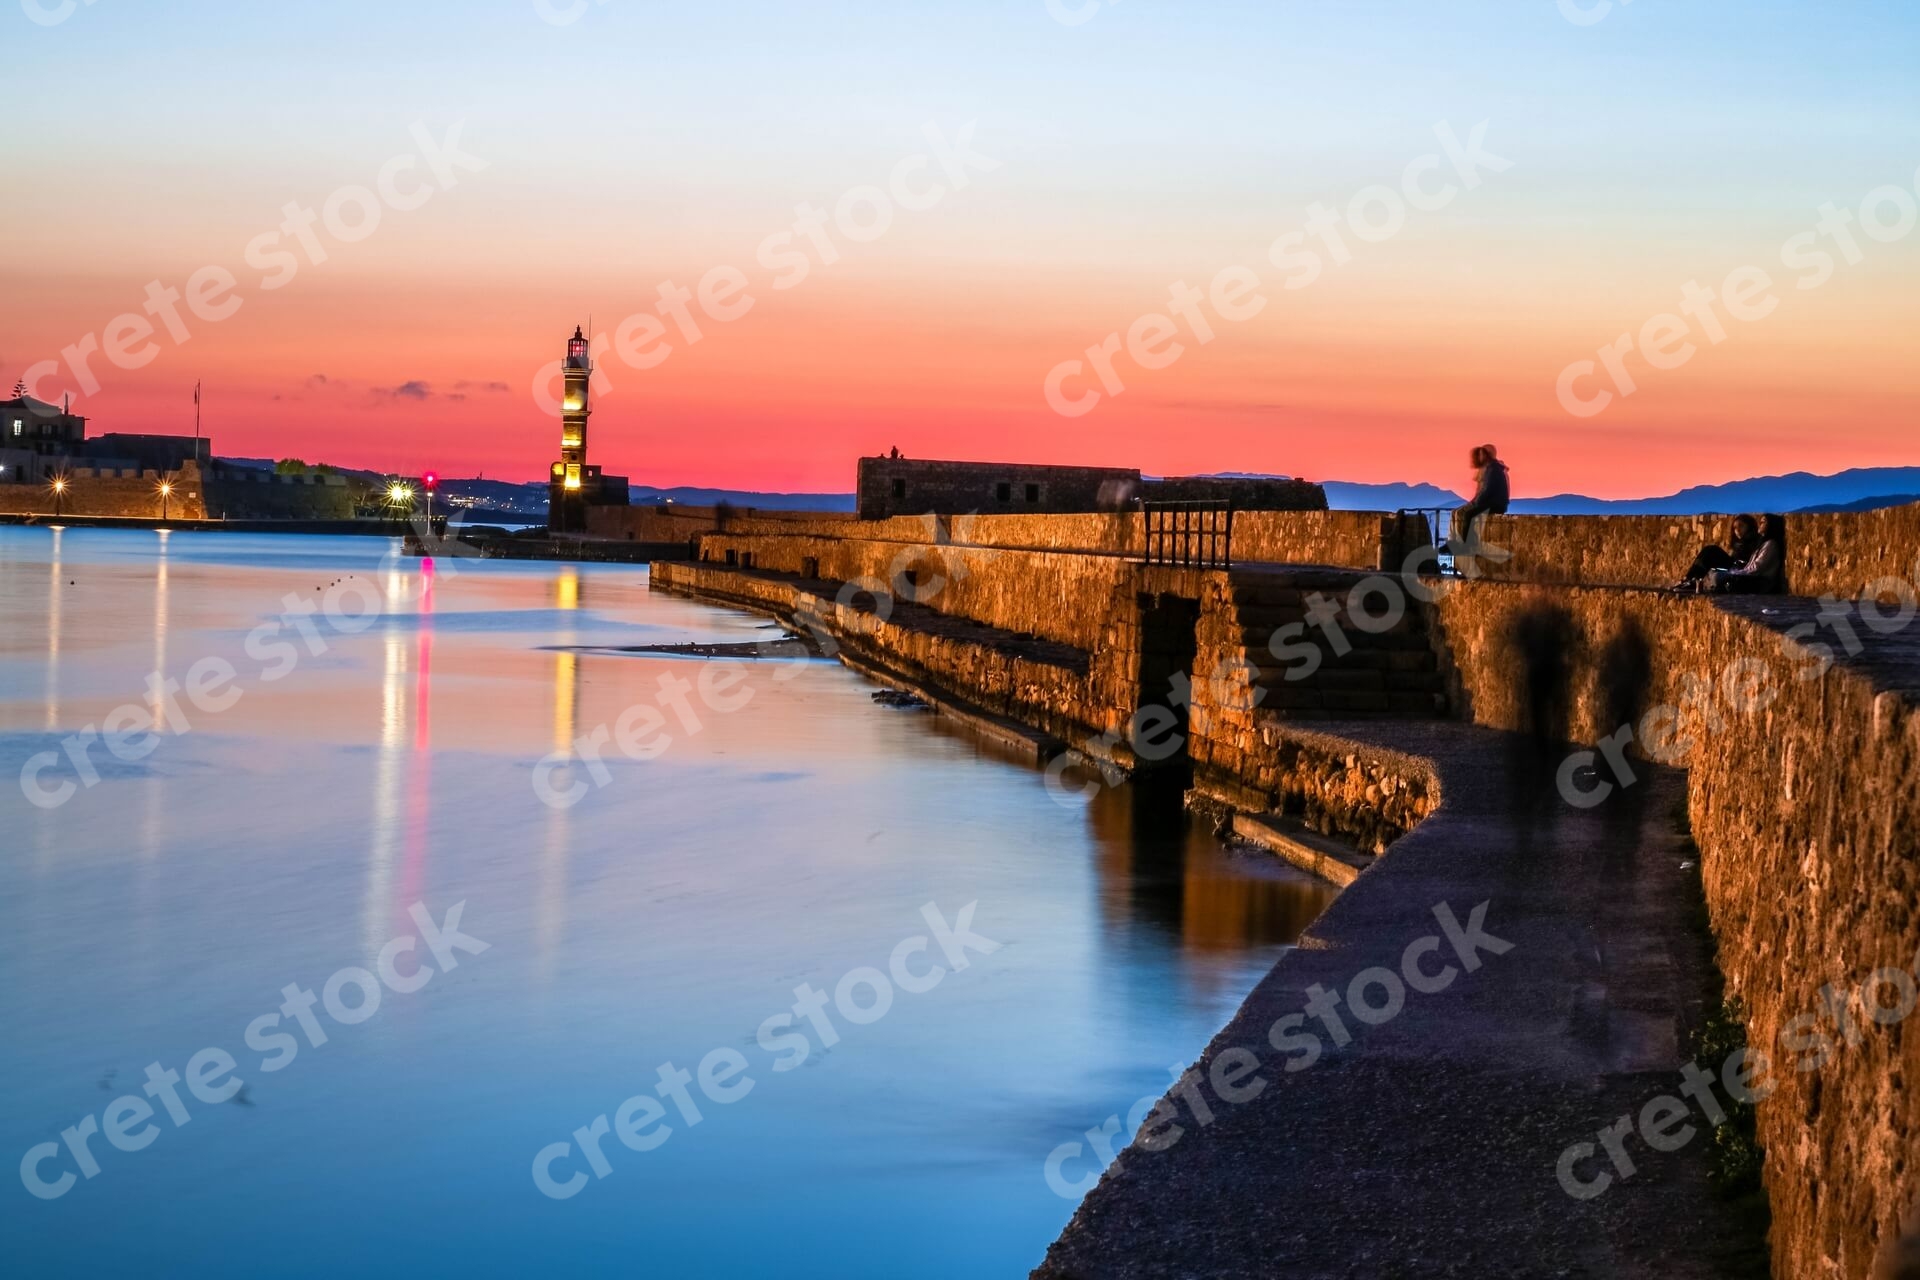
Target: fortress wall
x=261 y=495
x=1805 y=802
x=1052 y=698
x=123 y=494
x=1056 y=596
x=1836 y=554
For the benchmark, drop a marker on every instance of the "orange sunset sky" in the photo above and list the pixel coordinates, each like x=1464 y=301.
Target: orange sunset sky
x=625 y=149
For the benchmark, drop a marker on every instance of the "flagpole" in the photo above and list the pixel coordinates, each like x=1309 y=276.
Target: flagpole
x=196 y=422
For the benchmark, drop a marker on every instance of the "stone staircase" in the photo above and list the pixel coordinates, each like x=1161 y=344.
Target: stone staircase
x=1390 y=672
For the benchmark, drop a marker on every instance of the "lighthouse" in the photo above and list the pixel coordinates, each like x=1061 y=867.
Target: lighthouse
x=574 y=487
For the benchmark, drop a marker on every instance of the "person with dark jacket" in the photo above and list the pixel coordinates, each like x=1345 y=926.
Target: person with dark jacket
x=1491 y=493
x=1764 y=573
x=1743 y=539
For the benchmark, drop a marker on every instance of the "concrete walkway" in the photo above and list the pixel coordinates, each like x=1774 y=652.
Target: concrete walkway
x=1428 y=1145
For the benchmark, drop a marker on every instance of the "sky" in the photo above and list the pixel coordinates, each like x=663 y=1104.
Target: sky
x=996 y=187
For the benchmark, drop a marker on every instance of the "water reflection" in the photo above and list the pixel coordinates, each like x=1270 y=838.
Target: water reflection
x=150 y=827
x=550 y=920
x=54 y=595
x=402 y=775
x=1161 y=866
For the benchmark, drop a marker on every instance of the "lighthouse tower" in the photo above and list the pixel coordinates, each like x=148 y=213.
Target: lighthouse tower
x=574 y=486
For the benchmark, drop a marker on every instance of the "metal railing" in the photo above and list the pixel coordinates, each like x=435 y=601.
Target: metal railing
x=1191 y=535
x=1432 y=526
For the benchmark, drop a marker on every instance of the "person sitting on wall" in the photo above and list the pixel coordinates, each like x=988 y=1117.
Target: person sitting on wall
x=1743 y=539
x=1491 y=493
x=1764 y=573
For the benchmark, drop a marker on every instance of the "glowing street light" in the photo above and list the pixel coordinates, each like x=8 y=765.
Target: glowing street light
x=166 y=492
x=59 y=492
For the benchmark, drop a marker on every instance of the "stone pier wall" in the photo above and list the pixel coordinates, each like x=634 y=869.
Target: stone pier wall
x=1837 y=554
x=1804 y=778
x=134 y=494
x=1805 y=802
x=198 y=494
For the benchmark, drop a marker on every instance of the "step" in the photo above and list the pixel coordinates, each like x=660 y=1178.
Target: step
x=1308 y=850
x=1356 y=700
x=1424 y=705
x=1357 y=642
x=1273 y=617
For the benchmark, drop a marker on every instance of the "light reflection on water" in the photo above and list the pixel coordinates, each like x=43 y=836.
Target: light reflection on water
x=159 y=912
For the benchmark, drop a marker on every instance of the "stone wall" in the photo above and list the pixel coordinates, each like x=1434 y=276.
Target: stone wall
x=1836 y=554
x=117 y=493
x=1344 y=539
x=1347 y=539
x=1057 y=697
x=912 y=486
x=220 y=493
x=1055 y=596
x=675 y=522
x=245 y=493
x=1806 y=806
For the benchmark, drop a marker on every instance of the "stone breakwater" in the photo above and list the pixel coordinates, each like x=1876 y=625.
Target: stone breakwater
x=1801 y=759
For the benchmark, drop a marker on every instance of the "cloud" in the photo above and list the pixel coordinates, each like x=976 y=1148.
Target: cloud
x=491 y=388
x=317 y=380
x=414 y=389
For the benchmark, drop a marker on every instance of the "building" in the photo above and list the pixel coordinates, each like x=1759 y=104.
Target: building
x=575 y=485
x=895 y=486
x=149 y=452
x=891 y=486
x=34 y=437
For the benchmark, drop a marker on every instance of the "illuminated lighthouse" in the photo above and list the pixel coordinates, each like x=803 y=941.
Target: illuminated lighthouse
x=574 y=486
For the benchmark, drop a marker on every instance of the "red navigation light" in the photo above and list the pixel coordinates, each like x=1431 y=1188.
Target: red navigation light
x=431 y=481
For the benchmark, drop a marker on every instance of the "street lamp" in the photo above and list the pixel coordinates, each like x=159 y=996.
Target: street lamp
x=59 y=492
x=166 y=491
x=399 y=497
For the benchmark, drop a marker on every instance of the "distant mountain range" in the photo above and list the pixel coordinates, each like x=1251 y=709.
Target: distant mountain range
x=1862 y=489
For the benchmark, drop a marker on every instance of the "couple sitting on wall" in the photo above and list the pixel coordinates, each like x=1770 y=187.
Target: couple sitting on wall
x=1754 y=561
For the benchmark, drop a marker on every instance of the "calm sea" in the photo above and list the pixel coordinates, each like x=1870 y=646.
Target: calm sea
x=162 y=906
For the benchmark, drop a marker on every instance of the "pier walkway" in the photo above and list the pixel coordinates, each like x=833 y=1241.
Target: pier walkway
x=1428 y=1145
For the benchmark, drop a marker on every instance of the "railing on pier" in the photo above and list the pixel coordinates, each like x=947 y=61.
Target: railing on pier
x=1191 y=535
x=1430 y=527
